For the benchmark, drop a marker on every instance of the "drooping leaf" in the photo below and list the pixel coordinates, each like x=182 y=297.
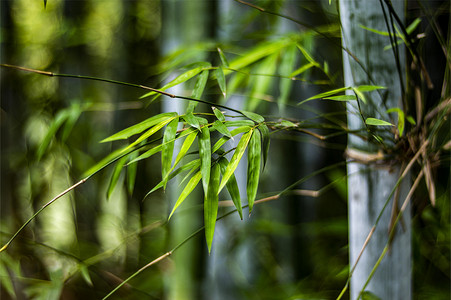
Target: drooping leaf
x=253 y=116
x=302 y=69
x=140 y=127
x=224 y=139
x=218 y=114
x=401 y=119
x=211 y=205
x=265 y=142
x=191 y=120
x=237 y=155
x=205 y=156
x=224 y=61
x=342 y=98
x=220 y=77
x=115 y=176
x=253 y=169
x=232 y=186
x=168 y=147
x=221 y=128
x=377 y=122
x=198 y=90
x=131 y=173
x=187 y=190
x=185 y=147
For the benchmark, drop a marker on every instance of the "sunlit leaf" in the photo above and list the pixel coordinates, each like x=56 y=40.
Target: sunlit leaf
x=205 y=156
x=221 y=128
x=191 y=120
x=115 y=176
x=147 y=154
x=151 y=131
x=286 y=67
x=219 y=72
x=198 y=90
x=60 y=118
x=218 y=114
x=239 y=123
x=140 y=127
x=105 y=161
x=187 y=190
x=224 y=139
x=131 y=173
x=168 y=147
x=369 y=88
x=307 y=55
x=211 y=205
x=185 y=147
x=253 y=116
x=342 y=98
x=253 y=169
x=401 y=118
x=237 y=155
x=224 y=61
x=263 y=83
x=232 y=186
x=265 y=142
x=302 y=69
x=326 y=94
x=377 y=122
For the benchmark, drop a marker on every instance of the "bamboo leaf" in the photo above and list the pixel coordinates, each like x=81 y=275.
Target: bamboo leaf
x=186 y=191
x=253 y=116
x=307 y=55
x=237 y=155
x=140 y=127
x=178 y=80
x=377 y=122
x=198 y=90
x=265 y=142
x=105 y=161
x=218 y=114
x=60 y=118
x=326 y=94
x=147 y=154
x=342 y=98
x=115 y=176
x=302 y=69
x=168 y=147
x=151 y=131
x=185 y=147
x=192 y=120
x=211 y=205
x=220 y=77
x=253 y=169
x=239 y=123
x=224 y=139
x=369 y=88
x=286 y=67
x=224 y=61
x=401 y=118
x=205 y=157
x=131 y=173
x=232 y=186
x=221 y=128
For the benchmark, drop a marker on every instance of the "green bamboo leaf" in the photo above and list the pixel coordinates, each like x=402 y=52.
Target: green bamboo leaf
x=302 y=69
x=193 y=165
x=186 y=191
x=147 y=154
x=191 y=120
x=265 y=142
x=211 y=205
x=224 y=139
x=131 y=173
x=105 y=161
x=369 y=88
x=224 y=61
x=74 y=113
x=253 y=168
x=232 y=186
x=413 y=25
x=221 y=128
x=60 y=118
x=85 y=274
x=219 y=73
x=218 y=114
x=377 y=122
x=239 y=123
x=286 y=67
x=326 y=94
x=178 y=80
x=237 y=155
x=205 y=157
x=115 y=176
x=198 y=90
x=185 y=147
x=401 y=118
x=140 y=127
x=151 y=131
x=168 y=147
x=342 y=98
x=253 y=116
x=307 y=55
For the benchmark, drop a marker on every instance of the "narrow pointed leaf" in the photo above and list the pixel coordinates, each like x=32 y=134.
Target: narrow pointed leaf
x=326 y=94
x=219 y=72
x=224 y=139
x=237 y=155
x=185 y=147
x=232 y=186
x=342 y=98
x=265 y=142
x=131 y=173
x=253 y=116
x=302 y=69
x=115 y=176
x=205 y=157
x=211 y=205
x=187 y=190
x=369 y=88
x=377 y=122
x=307 y=55
x=105 y=161
x=218 y=114
x=198 y=90
x=253 y=168
x=224 y=61
x=168 y=147
x=221 y=128
x=140 y=127
x=239 y=123
x=191 y=120
x=147 y=154
x=54 y=126
x=286 y=67
x=150 y=132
